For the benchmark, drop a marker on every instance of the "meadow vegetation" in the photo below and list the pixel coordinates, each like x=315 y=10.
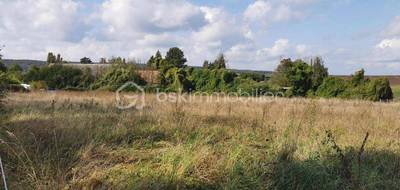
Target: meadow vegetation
x=80 y=140
x=298 y=78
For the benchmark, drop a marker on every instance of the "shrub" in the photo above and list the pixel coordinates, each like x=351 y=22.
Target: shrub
x=214 y=80
x=250 y=87
x=332 y=87
x=56 y=76
x=15 y=68
x=379 y=89
x=116 y=76
x=3 y=67
x=38 y=85
x=33 y=74
x=299 y=77
x=7 y=79
x=319 y=73
x=176 y=80
x=86 y=79
x=253 y=76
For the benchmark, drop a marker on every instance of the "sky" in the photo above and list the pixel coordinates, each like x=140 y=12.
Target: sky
x=252 y=34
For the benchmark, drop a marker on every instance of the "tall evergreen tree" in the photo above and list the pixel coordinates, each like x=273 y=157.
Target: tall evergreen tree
x=150 y=62
x=3 y=68
x=103 y=60
x=206 y=64
x=320 y=72
x=58 y=59
x=158 y=59
x=51 y=58
x=220 y=62
x=176 y=57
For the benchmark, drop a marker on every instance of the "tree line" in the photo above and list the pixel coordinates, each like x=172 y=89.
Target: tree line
x=296 y=78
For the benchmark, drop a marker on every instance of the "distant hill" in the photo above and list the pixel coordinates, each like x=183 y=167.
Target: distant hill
x=24 y=63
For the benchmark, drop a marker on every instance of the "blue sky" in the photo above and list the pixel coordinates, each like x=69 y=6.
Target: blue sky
x=253 y=34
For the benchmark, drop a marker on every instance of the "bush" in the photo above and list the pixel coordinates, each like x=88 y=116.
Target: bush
x=116 y=76
x=253 y=76
x=332 y=87
x=3 y=67
x=250 y=87
x=214 y=80
x=299 y=77
x=7 y=79
x=56 y=76
x=359 y=88
x=175 y=80
x=38 y=85
x=379 y=89
x=86 y=79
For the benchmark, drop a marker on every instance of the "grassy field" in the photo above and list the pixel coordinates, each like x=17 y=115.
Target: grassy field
x=80 y=140
x=396 y=92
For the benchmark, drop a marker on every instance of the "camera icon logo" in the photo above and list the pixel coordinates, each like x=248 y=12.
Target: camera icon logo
x=128 y=101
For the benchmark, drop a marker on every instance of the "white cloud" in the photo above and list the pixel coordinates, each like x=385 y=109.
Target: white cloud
x=37 y=19
x=279 y=48
x=302 y=50
x=138 y=28
x=136 y=18
x=389 y=44
x=258 y=10
x=243 y=55
x=265 y=12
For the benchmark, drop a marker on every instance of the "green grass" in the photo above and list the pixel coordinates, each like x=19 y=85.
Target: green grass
x=396 y=92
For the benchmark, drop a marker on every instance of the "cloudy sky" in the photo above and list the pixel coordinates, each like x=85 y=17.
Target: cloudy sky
x=348 y=34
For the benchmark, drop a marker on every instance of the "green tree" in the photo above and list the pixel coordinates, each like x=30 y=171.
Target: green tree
x=358 y=78
x=206 y=64
x=320 y=72
x=15 y=71
x=116 y=76
x=117 y=61
x=15 y=68
x=59 y=59
x=380 y=90
x=176 y=57
x=51 y=58
x=33 y=74
x=103 y=60
x=300 y=78
x=150 y=62
x=155 y=61
x=176 y=79
x=86 y=79
x=3 y=68
x=85 y=60
x=332 y=87
x=56 y=76
x=279 y=77
x=219 y=63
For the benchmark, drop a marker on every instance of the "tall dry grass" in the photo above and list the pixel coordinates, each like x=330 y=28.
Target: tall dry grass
x=80 y=140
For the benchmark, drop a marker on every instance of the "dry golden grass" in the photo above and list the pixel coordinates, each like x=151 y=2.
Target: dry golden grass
x=274 y=143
